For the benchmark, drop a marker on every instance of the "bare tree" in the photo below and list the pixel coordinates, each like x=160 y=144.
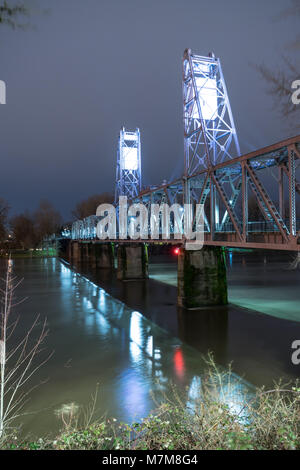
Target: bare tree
x=17 y=364
x=47 y=220
x=280 y=81
x=11 y=15
x=4 y=208
x=23 y=231
x=254 y=212
x=293 y=11
x=88 y=206
x=280 y=86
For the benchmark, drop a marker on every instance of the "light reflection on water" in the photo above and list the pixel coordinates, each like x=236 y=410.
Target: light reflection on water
x=98 y=339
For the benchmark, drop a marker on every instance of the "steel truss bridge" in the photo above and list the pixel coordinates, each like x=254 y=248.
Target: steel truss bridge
x=232 y=182
x=217 y=176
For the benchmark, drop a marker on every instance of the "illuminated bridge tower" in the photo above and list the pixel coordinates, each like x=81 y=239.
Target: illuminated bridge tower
x=209 y=130
x=210 y=135
x=132 y=258
x=209 y=139
x=128 y=176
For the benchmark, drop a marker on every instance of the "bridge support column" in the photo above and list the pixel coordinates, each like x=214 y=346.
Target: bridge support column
x=132 y=261
x=76 y=252
x=85 y=252
x=202 y=277
x=91 y=253
x=69 y=251
x=104 y=255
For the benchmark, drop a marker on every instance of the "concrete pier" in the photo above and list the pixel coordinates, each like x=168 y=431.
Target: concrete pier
x=202 y=277
x=85 y=248
x=69 y=251
x=76 y=252
x=104 y=255
x=132 y=261
x=92 y=260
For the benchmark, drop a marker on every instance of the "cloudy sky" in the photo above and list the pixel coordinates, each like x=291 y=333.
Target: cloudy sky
x=83 y=69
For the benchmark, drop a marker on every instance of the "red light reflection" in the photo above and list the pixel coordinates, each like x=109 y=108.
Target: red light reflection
x=179 y=363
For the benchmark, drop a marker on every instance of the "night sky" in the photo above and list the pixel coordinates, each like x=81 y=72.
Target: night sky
x=85 y=68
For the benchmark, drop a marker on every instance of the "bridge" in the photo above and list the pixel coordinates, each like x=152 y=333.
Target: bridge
x=216 y=176
x=230 y=182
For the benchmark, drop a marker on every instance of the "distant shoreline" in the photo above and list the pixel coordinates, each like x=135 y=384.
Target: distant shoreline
x=32 y=253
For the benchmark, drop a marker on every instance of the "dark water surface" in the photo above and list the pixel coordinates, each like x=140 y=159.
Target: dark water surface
x=141 y=342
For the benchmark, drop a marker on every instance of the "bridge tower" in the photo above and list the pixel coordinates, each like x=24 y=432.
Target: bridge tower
x=128 y=175
x=210 y=135
x=209 y=131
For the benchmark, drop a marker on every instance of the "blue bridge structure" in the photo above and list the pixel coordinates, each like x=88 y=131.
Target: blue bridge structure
x=217 y=176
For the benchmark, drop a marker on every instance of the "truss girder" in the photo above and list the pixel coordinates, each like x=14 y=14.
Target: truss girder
x=267 y=202
x=246 y=171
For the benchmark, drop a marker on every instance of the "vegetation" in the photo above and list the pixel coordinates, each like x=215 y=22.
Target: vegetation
x=89 y=206
x=12 y=15
x=47 y=220
x=280 y=80
x=17 y=359
x=50 y=252
x=4 y=208
x=25 y=231
x=270 y=420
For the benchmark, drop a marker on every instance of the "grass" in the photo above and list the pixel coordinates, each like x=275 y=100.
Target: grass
x=268 y=420
x=38 y=253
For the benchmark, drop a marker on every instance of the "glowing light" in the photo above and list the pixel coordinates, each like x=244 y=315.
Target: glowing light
x=176 y=251
x=130 y=156
x=130 y=137
x=135 y=353
x=157 y=354
x=179 y=363
x=149 y=347
x=102 y=299
x=134 y=394
x=207 y=91
x=129 y=165
x=136 y=328
x=195 y=387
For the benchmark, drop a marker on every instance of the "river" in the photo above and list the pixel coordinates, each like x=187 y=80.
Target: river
x=131 y=342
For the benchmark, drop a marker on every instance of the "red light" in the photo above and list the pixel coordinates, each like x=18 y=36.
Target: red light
x=176 y=251
x=179 y=363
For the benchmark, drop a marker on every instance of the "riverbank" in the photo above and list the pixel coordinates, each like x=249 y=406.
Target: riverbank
x=268 y=421
x=32 y=253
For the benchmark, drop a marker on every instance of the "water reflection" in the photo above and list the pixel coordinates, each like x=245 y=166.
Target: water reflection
x=98 y=339
x=206 y=329
x=152 y=350
x=179 y=364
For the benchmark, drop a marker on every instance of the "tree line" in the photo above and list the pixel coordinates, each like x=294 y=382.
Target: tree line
x=27 y=229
